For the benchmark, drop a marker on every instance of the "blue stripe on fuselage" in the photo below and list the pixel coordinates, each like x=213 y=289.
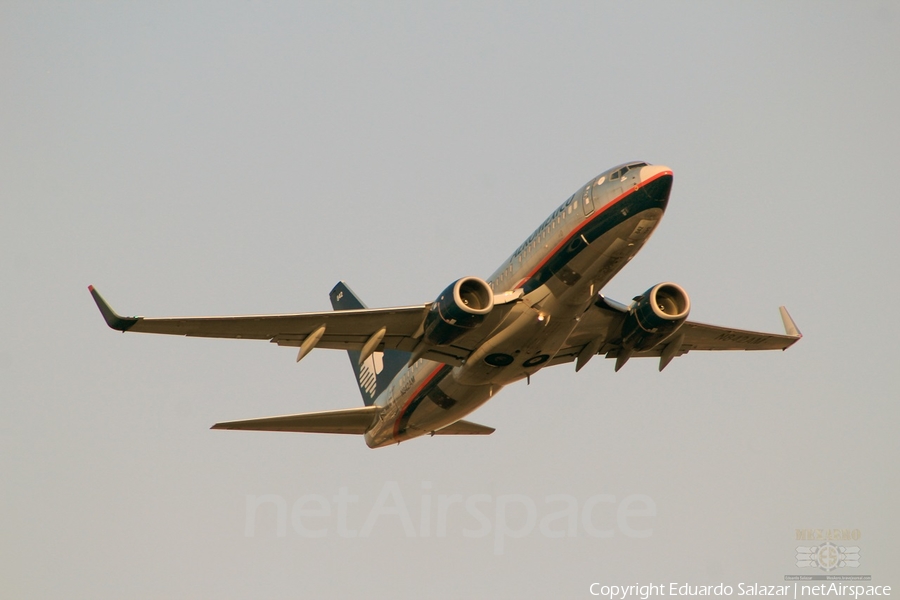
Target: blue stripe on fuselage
x=653 y=194
x=417 y=397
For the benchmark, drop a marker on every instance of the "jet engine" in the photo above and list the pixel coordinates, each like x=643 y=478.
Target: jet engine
x=654 y=316
x=460 y=308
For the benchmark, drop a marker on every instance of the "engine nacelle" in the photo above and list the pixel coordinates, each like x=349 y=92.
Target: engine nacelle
x=459 y=309
x=654 y=316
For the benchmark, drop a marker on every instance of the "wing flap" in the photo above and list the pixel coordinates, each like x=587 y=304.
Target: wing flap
x=349 y=324
x=604 y=321
x=343 y=330
x=354 y=421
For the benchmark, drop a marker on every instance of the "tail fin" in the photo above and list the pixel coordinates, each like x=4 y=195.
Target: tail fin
x=377 y=372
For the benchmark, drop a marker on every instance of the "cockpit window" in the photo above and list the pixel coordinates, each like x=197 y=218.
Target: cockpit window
x=625 y=168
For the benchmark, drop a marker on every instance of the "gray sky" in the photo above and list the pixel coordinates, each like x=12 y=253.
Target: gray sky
x=228 y=158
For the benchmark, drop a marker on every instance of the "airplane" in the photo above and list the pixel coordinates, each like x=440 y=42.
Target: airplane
x=421 y=369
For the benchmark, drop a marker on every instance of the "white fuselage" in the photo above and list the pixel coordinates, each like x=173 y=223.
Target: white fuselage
x=560 y=269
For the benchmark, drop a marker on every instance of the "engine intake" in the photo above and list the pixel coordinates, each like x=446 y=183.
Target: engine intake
x=654 y=316
x=459 y=309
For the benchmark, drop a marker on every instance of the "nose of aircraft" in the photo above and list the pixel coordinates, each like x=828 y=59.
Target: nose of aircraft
x=656 y=181
x=648 y=172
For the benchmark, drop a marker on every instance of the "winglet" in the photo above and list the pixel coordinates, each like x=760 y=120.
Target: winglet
x=790 y=328
x=113 y=319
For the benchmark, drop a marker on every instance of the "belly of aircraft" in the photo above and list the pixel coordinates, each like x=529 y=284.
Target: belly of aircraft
x=440 y=402
x=549 y=314
x=546 y=318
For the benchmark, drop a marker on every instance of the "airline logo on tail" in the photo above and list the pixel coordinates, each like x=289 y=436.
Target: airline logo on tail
x=368 y=372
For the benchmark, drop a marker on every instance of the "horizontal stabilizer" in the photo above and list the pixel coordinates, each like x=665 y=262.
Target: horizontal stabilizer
x=465 y=428
x=349 y=420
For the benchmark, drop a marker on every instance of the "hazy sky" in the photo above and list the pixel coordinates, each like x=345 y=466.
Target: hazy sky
x=228 y=158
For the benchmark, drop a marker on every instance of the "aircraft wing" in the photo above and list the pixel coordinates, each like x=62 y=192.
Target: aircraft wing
x=599 y=332
x=341 y=330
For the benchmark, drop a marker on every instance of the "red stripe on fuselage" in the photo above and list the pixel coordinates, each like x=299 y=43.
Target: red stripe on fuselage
x=413 y=396
x=522 y=281
x=597 y=213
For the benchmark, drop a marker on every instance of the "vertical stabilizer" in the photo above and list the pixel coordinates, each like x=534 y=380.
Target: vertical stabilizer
x=378 y=370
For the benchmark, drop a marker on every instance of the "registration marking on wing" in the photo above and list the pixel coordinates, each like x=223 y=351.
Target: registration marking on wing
x=741 y=338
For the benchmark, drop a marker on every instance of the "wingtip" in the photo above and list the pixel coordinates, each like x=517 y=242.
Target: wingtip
x=790 y=328
x=112 y=318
